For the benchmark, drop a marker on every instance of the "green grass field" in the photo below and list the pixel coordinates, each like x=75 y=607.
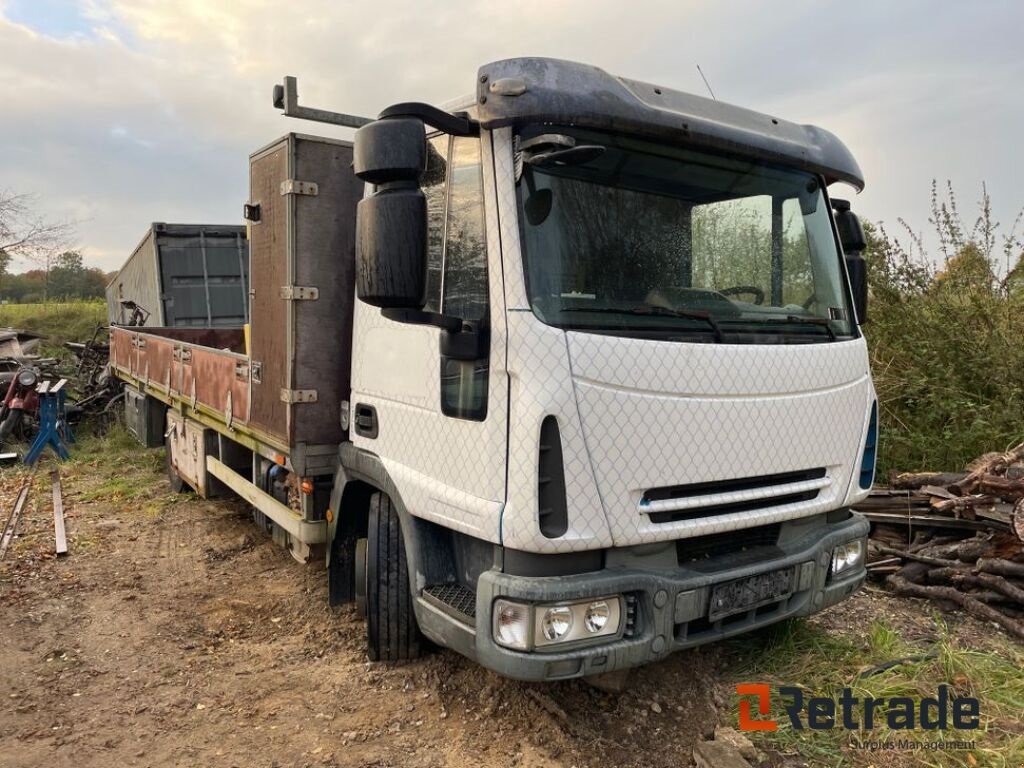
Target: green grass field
x=56 y=322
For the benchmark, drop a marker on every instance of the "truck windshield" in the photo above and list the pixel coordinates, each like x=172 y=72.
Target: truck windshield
x=627 y=237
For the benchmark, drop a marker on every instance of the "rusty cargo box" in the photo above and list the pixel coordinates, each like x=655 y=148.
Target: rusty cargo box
x=185 y=275
x=302 y=201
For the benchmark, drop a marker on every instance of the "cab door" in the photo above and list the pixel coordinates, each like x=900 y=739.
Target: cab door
x=439 y=424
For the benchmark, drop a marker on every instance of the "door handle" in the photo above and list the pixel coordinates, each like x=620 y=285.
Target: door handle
x=366 y=420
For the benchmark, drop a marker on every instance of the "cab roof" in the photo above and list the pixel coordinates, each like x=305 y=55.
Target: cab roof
x=526 y=91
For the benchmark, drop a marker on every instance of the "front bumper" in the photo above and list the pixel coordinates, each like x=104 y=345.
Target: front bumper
x=671 y=606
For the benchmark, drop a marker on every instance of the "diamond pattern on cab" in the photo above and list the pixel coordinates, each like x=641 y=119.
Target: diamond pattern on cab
x=633 y=414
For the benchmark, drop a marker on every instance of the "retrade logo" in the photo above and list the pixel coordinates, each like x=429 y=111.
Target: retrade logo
x=818 y=713
x=763 y=694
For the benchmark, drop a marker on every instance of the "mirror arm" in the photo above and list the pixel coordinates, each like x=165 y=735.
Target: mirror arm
x=468 y=344
x=459 y=339
x=458 y=124
x=411 y=316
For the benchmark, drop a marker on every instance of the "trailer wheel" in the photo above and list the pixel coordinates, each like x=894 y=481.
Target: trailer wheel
x=391 y=630
x=178 y=484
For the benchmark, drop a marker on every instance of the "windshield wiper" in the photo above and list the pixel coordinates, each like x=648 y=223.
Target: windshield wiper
x=820 y=322
x=689 y=314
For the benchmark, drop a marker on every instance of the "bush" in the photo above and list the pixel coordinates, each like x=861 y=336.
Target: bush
x=947 y=340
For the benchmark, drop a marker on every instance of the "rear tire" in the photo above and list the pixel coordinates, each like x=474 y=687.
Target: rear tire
x=392 y=633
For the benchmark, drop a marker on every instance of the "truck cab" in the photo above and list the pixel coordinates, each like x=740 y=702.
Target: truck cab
x=609 y=394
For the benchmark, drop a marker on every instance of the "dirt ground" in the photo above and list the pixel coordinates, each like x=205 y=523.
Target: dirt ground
x=176 y=634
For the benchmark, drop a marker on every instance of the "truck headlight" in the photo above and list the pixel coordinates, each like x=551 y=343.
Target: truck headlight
x=524 y=627
x=512 y=624
x=556 y=622
x=597 y=616
x=846 y=556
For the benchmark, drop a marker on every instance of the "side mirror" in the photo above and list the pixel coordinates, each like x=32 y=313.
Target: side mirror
x=391 y=224
x=851 y=237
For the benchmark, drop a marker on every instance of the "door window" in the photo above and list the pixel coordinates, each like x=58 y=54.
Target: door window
x=464 y=280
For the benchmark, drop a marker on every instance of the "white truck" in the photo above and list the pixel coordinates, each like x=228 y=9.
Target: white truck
x=565 y=376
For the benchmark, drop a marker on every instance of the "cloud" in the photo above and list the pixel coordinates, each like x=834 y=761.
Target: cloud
x=147 y=110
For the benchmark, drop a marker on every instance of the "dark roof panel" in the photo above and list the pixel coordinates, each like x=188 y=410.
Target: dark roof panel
x=568 y=93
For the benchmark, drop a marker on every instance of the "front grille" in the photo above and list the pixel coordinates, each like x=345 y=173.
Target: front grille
x=728 y=496
x=747 y=543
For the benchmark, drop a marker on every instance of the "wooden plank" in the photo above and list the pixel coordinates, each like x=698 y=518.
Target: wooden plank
x=932 y=521
x=12 y=522
x=60 y=533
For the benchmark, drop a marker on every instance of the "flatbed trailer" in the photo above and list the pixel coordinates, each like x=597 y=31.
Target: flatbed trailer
x=231 y=405
x=201 y=394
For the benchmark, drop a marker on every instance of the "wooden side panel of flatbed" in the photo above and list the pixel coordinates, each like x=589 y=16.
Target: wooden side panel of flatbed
x=210 y=378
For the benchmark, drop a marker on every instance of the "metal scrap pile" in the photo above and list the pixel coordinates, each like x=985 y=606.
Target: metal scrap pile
x=97 y=394
x=93 y=394
x=955 y=538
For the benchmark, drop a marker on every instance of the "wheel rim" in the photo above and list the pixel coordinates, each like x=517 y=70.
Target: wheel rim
x=361 y=585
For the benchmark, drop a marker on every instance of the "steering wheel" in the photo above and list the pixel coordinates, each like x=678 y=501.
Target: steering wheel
x=757 y=292
x=811 y=300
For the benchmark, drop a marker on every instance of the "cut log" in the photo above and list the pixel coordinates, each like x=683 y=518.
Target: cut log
x=959 y=578
x=1000 y=567
x=917 y=557
x=1007 y=490
x=963 y=506
x=990 y=596
x=974 y=607
x=991 y=465
x=911 y=481
x=930 y=521
x=965 y=550
x=937 y=542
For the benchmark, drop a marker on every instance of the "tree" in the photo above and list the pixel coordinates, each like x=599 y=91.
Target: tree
x=65 y=279
x=24 y=235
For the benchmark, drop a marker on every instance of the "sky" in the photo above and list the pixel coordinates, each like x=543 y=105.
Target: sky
x=117 y=113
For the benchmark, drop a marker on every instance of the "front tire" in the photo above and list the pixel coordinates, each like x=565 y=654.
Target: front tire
x=392 y=633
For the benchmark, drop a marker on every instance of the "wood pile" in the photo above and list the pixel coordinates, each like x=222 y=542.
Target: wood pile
x=955 y=538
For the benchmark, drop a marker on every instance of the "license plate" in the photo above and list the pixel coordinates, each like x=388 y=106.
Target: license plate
x=752 y=592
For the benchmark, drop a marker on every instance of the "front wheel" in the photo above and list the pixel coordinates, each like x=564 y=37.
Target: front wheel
x=392 y=633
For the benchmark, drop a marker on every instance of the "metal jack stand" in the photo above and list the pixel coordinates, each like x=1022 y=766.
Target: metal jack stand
x=53 y=425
